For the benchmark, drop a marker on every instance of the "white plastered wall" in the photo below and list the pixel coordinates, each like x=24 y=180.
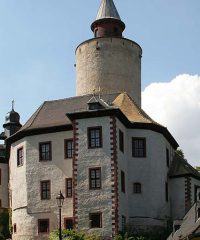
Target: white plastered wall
x=27 y=205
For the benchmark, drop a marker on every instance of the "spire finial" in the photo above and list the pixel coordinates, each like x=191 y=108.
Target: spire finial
x=13 y=103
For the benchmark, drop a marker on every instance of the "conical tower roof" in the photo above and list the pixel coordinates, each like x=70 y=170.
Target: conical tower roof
x=107 y=10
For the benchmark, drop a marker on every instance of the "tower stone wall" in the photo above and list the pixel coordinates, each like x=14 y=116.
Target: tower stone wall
x=108 y=65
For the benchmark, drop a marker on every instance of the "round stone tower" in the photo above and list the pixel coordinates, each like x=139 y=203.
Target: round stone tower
x=108 y=63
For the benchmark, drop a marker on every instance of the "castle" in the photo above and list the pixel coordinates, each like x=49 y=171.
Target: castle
x=114 y=164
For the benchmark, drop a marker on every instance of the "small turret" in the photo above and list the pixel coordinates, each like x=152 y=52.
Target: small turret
x=108 y=22
x=12 y=122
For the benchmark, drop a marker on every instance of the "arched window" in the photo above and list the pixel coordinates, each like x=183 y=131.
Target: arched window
x=137 y=188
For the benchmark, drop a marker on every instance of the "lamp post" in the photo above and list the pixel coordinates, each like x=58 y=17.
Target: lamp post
x=60 y=199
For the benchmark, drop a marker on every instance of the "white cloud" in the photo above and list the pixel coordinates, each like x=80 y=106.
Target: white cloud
x=176 y=105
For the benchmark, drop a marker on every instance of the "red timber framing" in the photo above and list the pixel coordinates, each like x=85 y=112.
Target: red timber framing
x=114 y=172
x=74 y=181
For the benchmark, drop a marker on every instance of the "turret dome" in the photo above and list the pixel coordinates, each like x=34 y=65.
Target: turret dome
x=12 y=117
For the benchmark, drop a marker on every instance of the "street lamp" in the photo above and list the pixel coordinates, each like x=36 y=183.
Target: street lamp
x=60 y=199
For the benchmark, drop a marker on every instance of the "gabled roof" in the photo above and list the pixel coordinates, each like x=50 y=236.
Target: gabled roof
x=54 y=116
x=131 y=110
x=107 y=10
x=190 y=225
x=180 y=168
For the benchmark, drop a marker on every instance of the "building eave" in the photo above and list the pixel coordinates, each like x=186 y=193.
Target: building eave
x=131 y=125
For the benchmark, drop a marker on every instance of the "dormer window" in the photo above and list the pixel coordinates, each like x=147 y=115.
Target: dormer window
x=95 y=104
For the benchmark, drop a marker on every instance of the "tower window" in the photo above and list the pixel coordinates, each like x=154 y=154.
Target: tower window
x=138 y=147
x=69 y=147
x=20 y=157
x=95 y=137
x=122 y=181
x=137 y=188
x=43 y=225
x=96 y=220
x=45 y=190
x=121 y=141
x=45 y=151
x=69 y=187
x=95 y=178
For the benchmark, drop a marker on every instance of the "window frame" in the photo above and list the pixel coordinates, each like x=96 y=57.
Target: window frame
x=137 y=188
x=167 y=157
x=68 y=219
x=48 y=228
x=144 y=155
x=89 y=137
x=121 y=140
x=95 y=179
x=123 y=182
x=71 y=140
x=14 y=228
x=41 y=190
x=67 y=188
x=92 y=214
x=40 y=151
x=123 y=219
x=20 y=157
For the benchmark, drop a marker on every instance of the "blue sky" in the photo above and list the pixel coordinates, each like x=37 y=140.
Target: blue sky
x=38 y=41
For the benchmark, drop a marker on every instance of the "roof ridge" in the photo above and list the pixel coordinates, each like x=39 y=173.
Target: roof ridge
x=81 y=96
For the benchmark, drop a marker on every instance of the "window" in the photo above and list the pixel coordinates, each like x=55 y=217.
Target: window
x=95 y=178
x=123 y=224
x=166 y=192
x=45 y=190
x=43 y=225
x=138 y=147
x=20 y=157
x=96 y=33
x=121 y=141
x=198 y=212
x=95 y=137
x=96 y=220
x=69 y=187
x=14 y=228
x=167 y=157
x=68 y=222
x=137 y=188
x=122 y=181
x=69 y=147
x=45 y=151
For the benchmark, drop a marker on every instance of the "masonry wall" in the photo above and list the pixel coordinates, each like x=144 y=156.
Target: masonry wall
x=25 y=181
x=109 y=65
x=4 y=185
